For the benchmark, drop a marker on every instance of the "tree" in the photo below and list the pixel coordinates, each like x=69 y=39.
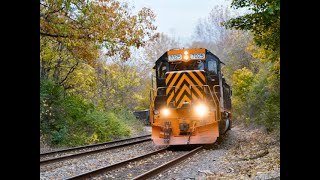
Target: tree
x=264 y=23
x=80 y=93
x=74 y=32
x=106 y=23
x=117 y=86
x=209 y=30
x=229 y=45
x=155 y=48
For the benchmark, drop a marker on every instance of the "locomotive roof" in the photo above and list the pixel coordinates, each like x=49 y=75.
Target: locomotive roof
x=165 y=59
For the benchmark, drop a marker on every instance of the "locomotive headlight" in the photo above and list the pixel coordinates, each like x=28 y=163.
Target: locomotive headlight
x=165 y=112
x=201 y=109
x=185 y=57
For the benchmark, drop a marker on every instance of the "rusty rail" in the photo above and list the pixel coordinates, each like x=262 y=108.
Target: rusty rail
x=167 y=165
x=114 y=166
x=92 y=145
x=48 y=161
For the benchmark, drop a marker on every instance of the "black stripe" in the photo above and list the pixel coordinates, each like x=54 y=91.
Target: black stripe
x=185 y=82
x=169 y=93
x=195 y=83
x=184 y=94
x=195 y=93
x=178 y=90
x=192 y=79
x=176 y=74
x=200 y=79
x=171 y=76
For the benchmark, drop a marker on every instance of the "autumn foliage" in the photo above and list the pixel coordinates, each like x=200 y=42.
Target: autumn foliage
x=82 y=93
x=249 y=45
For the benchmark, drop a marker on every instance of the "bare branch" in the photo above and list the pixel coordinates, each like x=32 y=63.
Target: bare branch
x=70 y=71
x=54 y=35
x=44 y=5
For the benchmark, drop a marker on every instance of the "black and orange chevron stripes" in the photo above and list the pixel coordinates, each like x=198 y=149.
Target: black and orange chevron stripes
x=184 y=86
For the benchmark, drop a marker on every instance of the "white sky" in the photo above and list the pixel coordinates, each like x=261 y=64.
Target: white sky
x=178 y=18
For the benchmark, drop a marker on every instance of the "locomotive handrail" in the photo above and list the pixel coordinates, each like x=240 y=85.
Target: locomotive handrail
x=197 y=86
x=174 y=91
x=155 y=92
x=218 y=111
x=217 y=99
x=153 y=97
x=209 y=91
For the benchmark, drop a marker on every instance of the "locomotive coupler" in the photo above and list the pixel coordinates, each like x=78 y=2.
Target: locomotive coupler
x=167 y=131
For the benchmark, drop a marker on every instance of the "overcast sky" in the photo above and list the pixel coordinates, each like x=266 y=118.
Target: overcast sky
x=179 y=17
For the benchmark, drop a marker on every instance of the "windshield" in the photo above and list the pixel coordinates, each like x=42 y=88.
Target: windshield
x=212 y=65
x=190 y=65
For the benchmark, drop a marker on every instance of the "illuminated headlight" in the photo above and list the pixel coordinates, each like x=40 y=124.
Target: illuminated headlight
x=165 y=112
x=201 y=109
x=185 y=57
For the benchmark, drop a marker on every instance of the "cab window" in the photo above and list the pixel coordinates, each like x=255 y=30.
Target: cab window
x=200 y=65
x=212 y=67
x=162 y=71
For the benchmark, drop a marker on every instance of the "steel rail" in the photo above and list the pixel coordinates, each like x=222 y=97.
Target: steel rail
x=61 y=158
x=92 y=145
x=167 y=165
x=114 y=166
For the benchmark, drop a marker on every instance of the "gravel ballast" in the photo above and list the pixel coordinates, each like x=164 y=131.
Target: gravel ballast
x=69 y=168
x=235 y=156
x=242 y=153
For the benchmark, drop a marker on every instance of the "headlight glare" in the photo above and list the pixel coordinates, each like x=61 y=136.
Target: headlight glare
x=165 y=112
x=201 y=109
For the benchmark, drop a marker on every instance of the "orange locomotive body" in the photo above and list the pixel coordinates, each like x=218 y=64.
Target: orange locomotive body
x=191 y=103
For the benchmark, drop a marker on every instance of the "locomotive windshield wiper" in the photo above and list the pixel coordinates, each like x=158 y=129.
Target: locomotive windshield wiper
x=176 y=65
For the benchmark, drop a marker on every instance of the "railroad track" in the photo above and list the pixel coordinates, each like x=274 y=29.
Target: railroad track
x=69 y=153
x=124 y=168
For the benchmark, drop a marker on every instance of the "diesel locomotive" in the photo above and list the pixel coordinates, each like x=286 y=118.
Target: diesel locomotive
x=191 y=103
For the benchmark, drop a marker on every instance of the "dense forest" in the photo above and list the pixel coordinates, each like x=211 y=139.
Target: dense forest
x=96 y=59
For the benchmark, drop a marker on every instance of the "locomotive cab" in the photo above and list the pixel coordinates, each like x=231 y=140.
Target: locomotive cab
x=191 y=102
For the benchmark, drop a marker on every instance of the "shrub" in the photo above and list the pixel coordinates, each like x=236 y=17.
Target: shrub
x=257 y=96
x=67 y=119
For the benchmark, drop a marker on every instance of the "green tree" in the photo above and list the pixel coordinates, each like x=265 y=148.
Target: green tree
x=84 y=99
x=86 y=25
x=117 y=86
x=229 y=45
x=154 y=49
x=73 y=33
x=264 y=93
x=264 y=22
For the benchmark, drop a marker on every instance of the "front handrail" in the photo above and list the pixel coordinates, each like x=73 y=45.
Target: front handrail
x=214 y=90
x=218 y=116
x=155 y=92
